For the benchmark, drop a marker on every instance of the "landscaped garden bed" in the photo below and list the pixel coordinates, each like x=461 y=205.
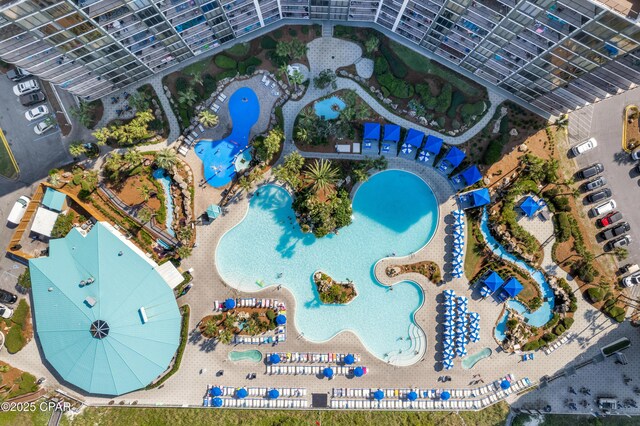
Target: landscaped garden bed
x=416 y=87
x=332 y=291
x=430 y=270
x=631 y=128
x=18 y=330
x=239 y=321
x=15 y=382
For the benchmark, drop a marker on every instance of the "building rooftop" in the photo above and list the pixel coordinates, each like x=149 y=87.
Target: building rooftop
x=53 y=200
x=106 y=319
x=628 y=8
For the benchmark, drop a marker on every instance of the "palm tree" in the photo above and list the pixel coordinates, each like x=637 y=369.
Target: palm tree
x=562 y=122
x=76 y=149
x=196 y=78
x=144 y=215
x=187 y=97
x=208 y=119
x=225 y=337
x=183 y=252
x=132 y=157
x=307 y=117
x=302 y=135
x=166 y=158
x=244 y=183
x=296 y=78
x=322 y=175
x=145 y=192
x=210 y=329
x=113 y=164
x=54 y=179
x=84 y=113
x=284 y=72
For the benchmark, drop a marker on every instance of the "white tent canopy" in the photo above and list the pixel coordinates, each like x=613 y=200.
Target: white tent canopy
x=170 y=274
x=44 y=221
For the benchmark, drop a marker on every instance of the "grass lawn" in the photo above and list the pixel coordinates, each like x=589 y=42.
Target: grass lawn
x=7 y=168
x=473 y=256
x=25 y=418
x=239 y=49
x=494 y=415
x=19 y=328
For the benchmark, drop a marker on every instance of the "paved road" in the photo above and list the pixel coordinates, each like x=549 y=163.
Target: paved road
x=603 y=122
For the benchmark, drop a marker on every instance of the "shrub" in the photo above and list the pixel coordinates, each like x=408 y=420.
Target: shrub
x=512 y=323
x=226 y=74
x=24 y=279
x=444 y=98
x=14 y=341
x=240 y=49
x=553 y=321
x=559 y=330
x=493 y=152
x=293 y=32
x=398 y=68
x=278 y=34
x=595 y=294
x=617 y=313
x=531 y=346
x=268 y=43
x=270 y=314
x=225 y=62
x=549 y=337
x=182 y=84
x=469 y=110
x=567 y=322
x=564 y=227
x=381 y=66
x=209 y=83
x=573 y=307
x=305 y=30
x=249 y=65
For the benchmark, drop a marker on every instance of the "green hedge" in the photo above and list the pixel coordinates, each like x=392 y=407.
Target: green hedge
x=381 y=66
x=397 y=67
x=268 y=43
x=397 y=88
x=493 y=152
x=14 y=341
x=225 y=62
x=596 y=294
x=249 y=65
x=184 y=335
x=240 y=49
x=564 y=226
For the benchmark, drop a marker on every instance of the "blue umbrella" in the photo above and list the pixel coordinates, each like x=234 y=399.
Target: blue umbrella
x=461 y=351
x=462 y=300
x=423 y=156
x=458 y=243
x=217 y=402
x=457 y=263
x=474 y=337
x=349 y=359
x=229 y=303
x=449 y=333
x=378 y=395
x=445 y=395
x=448 y=344
x=281 y=320
x=447 y=354
x=458 y=271
x=449 y=293
x=215 y=391
x=328 y=372
x=358 y=372
x=484 y=291
x=406 y=149
x=448 y=364
x=412 y=396
x=242 y=393
x=458 y=233
x=463 y=340
x=474 y=315
x=449 y=315
x=457 y=251
x=458 y=213
x=273 y=393
x=274 y=358
x=504 y=385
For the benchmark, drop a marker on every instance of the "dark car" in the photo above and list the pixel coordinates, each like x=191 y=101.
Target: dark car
x=18 y=74
x=7 y=297
x=591 y=171
x=601 y=195
x=616 y=230
x=610 y=219
x=32 y=98
x=595 y=183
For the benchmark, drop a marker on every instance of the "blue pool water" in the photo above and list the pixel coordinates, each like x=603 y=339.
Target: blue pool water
x=165 y=180
x=540 y=316
x=394 y=211
x=325 y=108
x=218 y=157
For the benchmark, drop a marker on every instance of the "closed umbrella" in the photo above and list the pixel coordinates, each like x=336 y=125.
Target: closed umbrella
x=349 y=359
x=378 y=395
x=358 y=372
x=504 y=385
x=217 y=402
x=215 y=391
x=448 y=364
x=281 y=320
x=328 y=372
x=274 y=358
x=274 y=393
x=412 y=396
x=445 y=395
x=242 y=393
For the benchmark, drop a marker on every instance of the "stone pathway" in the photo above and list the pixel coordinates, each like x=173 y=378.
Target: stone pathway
x=364 y=67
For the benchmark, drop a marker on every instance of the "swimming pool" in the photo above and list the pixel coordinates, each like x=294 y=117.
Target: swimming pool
x=218 y=157
x=161 y=175
x=329 y=109
x=252 y=355
x=540 y=316
x=394 y=211
x=470 y=361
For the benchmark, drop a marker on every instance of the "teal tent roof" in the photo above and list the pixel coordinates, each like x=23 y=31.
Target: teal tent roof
x=213 y=211
x=96 y=336
x=53 y=200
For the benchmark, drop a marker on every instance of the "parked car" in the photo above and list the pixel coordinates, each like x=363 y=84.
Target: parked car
x=591 y=171
x=32 y=98
x=623 y=241
x=595 y=183
x=45 y=125
x=616 y=230
x=603 y=194
x=635 y=155
x=26 y=87
x=604 y=208
x=6 y=312
x=18 y=209
x=37 y=112
x=631 y=280
x=610 y=219
x=585 y=146
x=18 y=74
x=7 y=296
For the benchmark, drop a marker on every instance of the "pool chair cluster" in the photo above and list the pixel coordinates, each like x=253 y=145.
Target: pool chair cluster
x=492 y=283
x=310 y=357
x=189 y=140
x=322 y=371
x=428 y=399
x=272 y=84
x=279 y=333
x=460 y=327
x=458 y=244
x=250 y=397
x=557 y=344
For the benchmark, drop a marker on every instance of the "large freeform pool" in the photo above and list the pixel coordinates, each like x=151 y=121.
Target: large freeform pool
x=393 y=212
x=218 y=157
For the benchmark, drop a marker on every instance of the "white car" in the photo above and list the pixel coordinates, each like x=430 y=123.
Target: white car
x=604 y=208
x=26 y=87
x=18 y=209
x=583 y=147
x=631 y=280
x=45 y=125
x=635 y=155
x=37 y=112
x=5 y=312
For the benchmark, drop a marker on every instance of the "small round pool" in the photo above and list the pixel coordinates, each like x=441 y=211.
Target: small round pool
x=329 y=109
x=472 y=360
x=252 y=355
x=243 y=160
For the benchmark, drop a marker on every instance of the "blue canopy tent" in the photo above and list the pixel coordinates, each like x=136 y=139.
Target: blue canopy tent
x=493 y=281
x=274 y=393
x=328 y=372
x=412 y=141
x=480 y=197
x=433 y=145
x=445 y=395
x=242 y=393
x=504 y=385
x=229 y=303
x=451 y=160
x=274 y=358
x=217 y=402
x=513 y=287
x=349 y=359
x=281 y=319
x=471 y=175
x=215 y=391
x=412 y=396
x=390 y=139
x=378 y=395
x=371 y=137
x=358 y=372
x=529 y=206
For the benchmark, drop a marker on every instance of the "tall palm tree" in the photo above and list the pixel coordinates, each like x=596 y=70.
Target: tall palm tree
x=166 y=158
x=76 y=149
x=144 y=215
x=296 y=78
x=187 y=97
x=54 y=179
x=322 y=175
x=208 y=119
x=284 y=72
x=145 y=192
x=307 y=117
x=132 y=157
x=196 y=78
x=302 y=135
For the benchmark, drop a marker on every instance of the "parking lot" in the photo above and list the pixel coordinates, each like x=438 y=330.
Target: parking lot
x=603 y=121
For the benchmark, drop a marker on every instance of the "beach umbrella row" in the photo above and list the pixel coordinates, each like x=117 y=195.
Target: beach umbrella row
x=458 y=244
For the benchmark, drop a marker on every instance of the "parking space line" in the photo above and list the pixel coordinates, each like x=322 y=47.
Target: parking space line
x=47 y=135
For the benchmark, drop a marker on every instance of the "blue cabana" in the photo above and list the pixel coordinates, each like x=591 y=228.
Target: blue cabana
x=215 y=391
x=378 y=395
x=445 y=395
x=414 y=138
x=471 y=175
x=513 y=287
x=274 y=358
x=358 y=372
x=433 y=144
x=242 y=393
x=281 y=320
x=454 y=157
x=349 y=359
x=480 y=197
x=391 y=133
x=493 y=281
x=412 y=396
x=371 y=132
x=328 y=372
x=217 y=402
x=529 y=206
x=274 y=393
x=229 y=303
x=504 y=385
